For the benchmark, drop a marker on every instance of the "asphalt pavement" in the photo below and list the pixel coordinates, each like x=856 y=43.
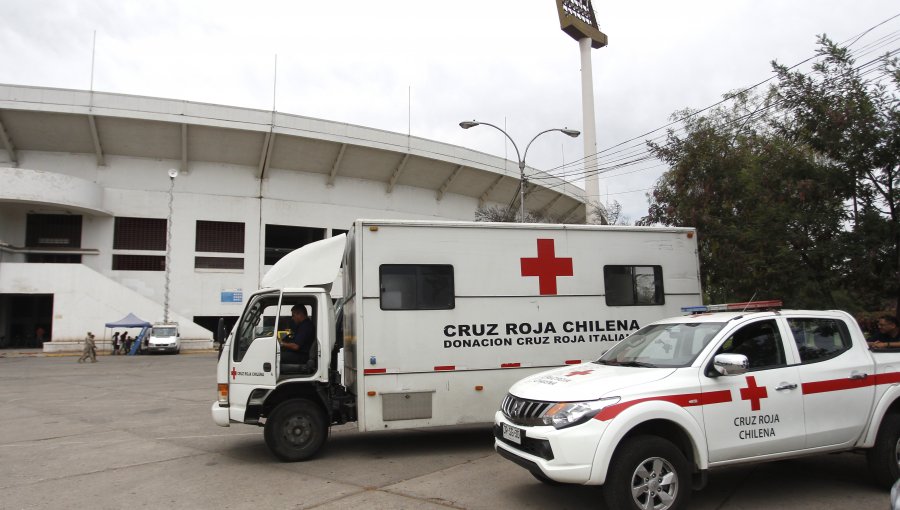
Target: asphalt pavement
x=136 y=432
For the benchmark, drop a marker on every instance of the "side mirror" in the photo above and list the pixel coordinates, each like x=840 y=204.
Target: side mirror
x=731 y=364
x=220 y=331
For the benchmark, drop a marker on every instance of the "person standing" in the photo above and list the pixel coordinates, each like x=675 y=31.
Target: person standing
x=126 y=342
x=89 y=349
x=115 y=341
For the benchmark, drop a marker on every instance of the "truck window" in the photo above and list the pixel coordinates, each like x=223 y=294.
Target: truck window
x=819 y=339
x=760 y=342
x=252 y=325
x=416 y=287
x=633 y=285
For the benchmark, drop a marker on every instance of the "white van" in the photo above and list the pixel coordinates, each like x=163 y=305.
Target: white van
x=164 y=337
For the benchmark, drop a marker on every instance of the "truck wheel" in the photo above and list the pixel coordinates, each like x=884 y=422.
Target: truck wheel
x=295 y=430
x=648 y=472
x=884 y=457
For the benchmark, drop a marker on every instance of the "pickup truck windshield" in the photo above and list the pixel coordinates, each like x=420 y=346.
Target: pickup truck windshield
x=160 y=332
x=662 y=345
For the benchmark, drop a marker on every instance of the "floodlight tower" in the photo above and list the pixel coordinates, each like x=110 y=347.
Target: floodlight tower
x=576 y=18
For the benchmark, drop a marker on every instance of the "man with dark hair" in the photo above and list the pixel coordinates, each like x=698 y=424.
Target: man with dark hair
x=888 y=335
x=299 y=348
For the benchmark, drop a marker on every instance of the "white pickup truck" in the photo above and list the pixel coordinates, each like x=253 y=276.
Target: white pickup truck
x=684 y=395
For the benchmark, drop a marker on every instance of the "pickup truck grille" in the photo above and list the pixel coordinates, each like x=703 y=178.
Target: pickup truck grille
x=523 y=411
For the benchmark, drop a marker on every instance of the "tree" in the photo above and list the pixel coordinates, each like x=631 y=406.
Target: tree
x=763 y=206
x=794 y=194
x=609 y=213
x=508 y=215
x=848 y=114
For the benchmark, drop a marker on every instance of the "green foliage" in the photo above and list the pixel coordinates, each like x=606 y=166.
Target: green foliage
x=794 y=194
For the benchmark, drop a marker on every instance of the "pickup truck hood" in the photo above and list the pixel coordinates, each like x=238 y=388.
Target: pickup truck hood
x=588 y=381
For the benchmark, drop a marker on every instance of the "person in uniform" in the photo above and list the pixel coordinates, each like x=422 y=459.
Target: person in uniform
x=89 y=349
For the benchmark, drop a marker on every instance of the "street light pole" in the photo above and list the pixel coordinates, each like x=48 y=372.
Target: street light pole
x=173 y=173
x=521 y=159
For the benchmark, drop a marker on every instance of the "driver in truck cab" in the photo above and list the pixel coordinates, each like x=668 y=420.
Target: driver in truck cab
x=298 y=349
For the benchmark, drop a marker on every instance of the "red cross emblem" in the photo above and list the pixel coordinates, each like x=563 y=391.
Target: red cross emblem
x=233 y=373
x=579 y=372
x=546 y=266
x=753 y=393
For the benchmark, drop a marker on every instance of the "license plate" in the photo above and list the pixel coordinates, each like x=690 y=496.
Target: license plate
x=512 y=434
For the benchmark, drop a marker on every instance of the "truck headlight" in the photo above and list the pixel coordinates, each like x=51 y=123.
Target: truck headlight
x=567 y=414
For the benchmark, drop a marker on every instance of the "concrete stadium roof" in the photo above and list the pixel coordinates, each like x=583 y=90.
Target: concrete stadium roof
x=102 y=124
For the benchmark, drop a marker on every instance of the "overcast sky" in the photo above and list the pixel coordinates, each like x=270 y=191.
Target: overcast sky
x=424 y=65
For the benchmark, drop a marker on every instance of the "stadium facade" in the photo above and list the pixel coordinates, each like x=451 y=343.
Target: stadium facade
x=85 y=203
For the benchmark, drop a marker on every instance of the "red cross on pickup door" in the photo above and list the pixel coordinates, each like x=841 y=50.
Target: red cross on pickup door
x=547 y=267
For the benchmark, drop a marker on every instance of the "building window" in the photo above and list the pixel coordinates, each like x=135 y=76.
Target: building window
x=283 y=239
x=337 y=231
x=56 y=232
x=52 y=258
x=139 y=234
x=633 y=285
x=220 y=237
x=139 y=263
x=218 y=263
x=416 y=287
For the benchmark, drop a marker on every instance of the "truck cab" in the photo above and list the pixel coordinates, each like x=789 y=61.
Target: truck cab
x=295 y=404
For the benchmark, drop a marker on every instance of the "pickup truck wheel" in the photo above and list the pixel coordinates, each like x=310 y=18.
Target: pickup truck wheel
x=296 y=430
x=648 y=472
x=884 y=457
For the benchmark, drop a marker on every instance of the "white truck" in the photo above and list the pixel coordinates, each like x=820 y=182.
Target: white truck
x=438 y=319
x=652 y=415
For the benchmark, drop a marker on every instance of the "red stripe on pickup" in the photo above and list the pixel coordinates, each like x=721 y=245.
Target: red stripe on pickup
x=836 y=385
x=573 y=361
x=888 y=378
x=685 y=400
x=510 y=365
x=369 y=371
x=444 y=368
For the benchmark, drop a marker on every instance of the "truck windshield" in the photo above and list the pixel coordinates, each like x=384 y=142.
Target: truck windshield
x=662 y=345
x=163 y=332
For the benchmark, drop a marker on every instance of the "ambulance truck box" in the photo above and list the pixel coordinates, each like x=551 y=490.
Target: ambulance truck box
x=438 y=319
x=652 y=415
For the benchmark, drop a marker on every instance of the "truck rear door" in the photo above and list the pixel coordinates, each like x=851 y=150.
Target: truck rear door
x=836 y=377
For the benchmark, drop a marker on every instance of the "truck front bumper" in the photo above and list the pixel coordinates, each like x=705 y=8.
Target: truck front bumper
x=565 y=455
x=220 y=415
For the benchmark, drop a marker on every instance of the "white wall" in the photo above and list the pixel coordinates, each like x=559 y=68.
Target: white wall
x=84 y=300
x=138 y=187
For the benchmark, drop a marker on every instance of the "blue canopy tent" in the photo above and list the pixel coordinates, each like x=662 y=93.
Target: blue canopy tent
x=132 y=321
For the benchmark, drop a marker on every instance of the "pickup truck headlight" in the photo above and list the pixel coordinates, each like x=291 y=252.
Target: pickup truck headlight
x=567 y=414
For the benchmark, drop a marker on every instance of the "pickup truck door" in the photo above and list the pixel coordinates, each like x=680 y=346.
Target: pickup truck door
x=765 y=412
x=254 y=351
x=836 y=377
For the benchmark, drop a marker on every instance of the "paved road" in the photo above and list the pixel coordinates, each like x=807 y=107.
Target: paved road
x=136 y=432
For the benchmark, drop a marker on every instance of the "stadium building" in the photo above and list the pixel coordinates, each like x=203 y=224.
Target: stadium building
x=85 y=204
